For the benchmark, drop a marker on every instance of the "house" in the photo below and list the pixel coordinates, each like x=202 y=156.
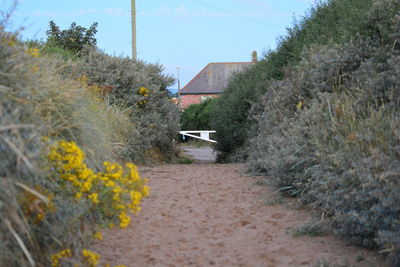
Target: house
x=210 y=82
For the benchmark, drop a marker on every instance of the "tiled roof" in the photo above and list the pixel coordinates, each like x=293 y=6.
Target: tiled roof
x=214 y=78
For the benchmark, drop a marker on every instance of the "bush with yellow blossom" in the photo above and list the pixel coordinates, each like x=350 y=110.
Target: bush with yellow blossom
x=85 y=257
x=112 y=192
x=51 y=210
x=144 y=92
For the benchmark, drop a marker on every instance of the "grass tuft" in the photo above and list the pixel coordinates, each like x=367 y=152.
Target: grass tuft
x=184 y=160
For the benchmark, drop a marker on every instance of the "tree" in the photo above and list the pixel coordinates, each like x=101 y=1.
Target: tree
x=74 y=38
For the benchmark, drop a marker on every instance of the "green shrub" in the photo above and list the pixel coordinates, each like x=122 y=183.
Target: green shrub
x=197 y=116
x=50 y=49
x=74 y=39
x=329 y=132
x=58 y=51
x=229 y=113
x=184 y=160
x=334 y=21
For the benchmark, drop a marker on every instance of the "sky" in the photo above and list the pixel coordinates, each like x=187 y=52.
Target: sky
x=187 y=34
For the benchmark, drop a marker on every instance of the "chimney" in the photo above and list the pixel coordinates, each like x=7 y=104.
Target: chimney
x=254 y=56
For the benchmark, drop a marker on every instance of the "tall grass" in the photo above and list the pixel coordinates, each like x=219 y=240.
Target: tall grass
x=47 y=95
x=39 y=104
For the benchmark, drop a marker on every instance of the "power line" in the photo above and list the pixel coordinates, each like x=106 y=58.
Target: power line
x=236 y=15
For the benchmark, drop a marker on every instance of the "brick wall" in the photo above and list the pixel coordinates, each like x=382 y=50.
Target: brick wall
x=194 y=99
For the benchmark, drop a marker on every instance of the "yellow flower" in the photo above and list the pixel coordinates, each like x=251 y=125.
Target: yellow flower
x=86 y=186
x=11 y=42
x=119 y=207
x=110 y=184
x=143 y=91
x=116 y=197
x=124 y=220
x=40 y=217
x=300 y=105
x=90 y=257
x=133 y=172
x=146 y=191
x=94 y=197
x=121 y=188
x=135 y=197
x=98 y=236
x=117 y=189
x=85 y=174
x=136 y=210
x=78 y=195
x=56 y=257
x=34 y=52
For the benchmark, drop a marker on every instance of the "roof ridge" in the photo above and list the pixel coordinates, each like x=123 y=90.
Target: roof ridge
x=224 y=66
x=198 y=74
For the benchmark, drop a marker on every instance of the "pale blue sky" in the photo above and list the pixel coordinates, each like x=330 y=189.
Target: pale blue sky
x=185 y=33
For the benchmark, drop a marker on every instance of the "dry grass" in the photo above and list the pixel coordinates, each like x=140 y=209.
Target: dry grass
x=41 y=101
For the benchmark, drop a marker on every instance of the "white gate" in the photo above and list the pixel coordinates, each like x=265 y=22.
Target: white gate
x=204 y=135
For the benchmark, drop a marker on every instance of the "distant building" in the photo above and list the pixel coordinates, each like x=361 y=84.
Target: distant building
x=210 y=82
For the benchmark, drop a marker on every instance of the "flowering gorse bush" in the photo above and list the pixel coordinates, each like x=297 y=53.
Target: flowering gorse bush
x=85 y=258
x=144 y=92
x=56 y=257
x=113 y=192
x=43 y=221
x=91 y=258
x=34 y=52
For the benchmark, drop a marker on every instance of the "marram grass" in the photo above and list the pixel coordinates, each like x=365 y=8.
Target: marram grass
x=61 y=142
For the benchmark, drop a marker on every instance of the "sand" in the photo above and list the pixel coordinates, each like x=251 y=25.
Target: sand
x=214 y=215
x=199 y=154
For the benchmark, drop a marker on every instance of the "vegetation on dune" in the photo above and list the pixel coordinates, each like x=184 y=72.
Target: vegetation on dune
x=140 y=89
x=320 y=116
x=328 y=22
x=67 y=119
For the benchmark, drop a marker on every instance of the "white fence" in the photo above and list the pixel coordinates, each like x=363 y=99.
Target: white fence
x=204 y=135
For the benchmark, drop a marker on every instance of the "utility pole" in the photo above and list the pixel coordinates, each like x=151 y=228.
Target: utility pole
x=133 y=10
x=179 y=88
x=179 y=81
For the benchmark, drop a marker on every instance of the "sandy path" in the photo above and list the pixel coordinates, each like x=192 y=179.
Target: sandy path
x=206 y=214
x=199 y=154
